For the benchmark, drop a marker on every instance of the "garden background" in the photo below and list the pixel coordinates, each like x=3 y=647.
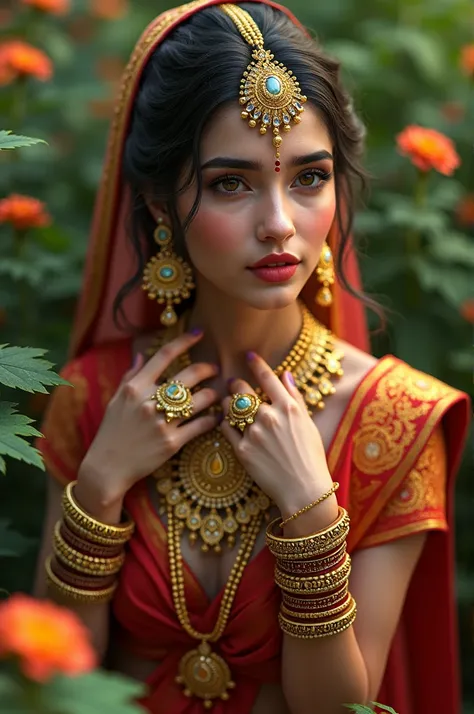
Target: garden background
x=406 y=62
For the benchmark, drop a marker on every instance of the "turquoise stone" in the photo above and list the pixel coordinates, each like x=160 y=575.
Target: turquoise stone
x=273 y=85
x=162 y=234
x=166 y=272
x=243 y=403
x=172 y=390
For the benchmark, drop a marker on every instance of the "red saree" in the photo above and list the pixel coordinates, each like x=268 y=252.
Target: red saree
x=395 y=455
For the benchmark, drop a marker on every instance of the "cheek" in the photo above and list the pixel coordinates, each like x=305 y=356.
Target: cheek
x=318 y=222
x=213 y=234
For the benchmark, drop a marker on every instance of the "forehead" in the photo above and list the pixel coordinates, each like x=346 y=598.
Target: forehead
x=227 y=134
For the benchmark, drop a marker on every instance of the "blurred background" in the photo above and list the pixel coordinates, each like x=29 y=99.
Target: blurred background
x=406 y=62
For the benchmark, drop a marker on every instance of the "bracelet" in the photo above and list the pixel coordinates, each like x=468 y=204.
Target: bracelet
x=86 y=535
x=316 y=615
x=84 y=546
x=319 y=500
x=311 y=546
x=305 y=604
x=307 y=631
x=314 y=566
x=85 y=563
x=78 y=580
x=72 y=593
x=120 y=533
x=315 y=583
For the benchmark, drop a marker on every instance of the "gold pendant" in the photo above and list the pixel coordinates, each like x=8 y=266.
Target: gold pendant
x=205 y=674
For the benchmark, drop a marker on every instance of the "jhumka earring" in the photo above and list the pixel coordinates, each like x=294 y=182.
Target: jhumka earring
x=167 y=278
x=269 y=91
x=325 y=275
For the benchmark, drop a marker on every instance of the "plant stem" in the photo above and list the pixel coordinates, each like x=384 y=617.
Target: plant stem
x=413 y=243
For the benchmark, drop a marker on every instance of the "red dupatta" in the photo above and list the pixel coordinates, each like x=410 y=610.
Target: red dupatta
x=420 y=654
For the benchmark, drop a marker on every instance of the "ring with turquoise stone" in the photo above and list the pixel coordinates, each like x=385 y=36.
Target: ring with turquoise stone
x=174 y=399
x=243 y=409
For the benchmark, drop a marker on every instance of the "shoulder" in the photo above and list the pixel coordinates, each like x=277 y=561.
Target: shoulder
x=114 y=357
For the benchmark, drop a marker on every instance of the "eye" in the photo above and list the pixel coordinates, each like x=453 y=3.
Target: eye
x=313 y=178
x=227 y=184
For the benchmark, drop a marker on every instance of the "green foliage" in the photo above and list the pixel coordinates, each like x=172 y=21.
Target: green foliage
x=8 y=140
x=13 y=427
x=363 y=709
x=22 y=368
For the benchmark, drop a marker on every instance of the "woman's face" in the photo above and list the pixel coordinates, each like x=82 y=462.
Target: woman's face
x=249 y=213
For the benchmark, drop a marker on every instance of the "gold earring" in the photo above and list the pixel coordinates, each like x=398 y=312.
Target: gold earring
x=167 y=278
x=325 y=274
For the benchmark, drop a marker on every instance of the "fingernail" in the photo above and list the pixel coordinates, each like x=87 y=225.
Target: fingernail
x=251 y=356
x=230 y=380
x=291 y=379
x=220 y=418
x=136 y=359
x=195 y=331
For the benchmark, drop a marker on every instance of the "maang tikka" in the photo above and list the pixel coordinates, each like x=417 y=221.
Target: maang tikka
x=269 y=91
x=167 y=278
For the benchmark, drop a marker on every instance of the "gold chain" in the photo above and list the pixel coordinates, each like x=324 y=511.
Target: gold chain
x=245 y=24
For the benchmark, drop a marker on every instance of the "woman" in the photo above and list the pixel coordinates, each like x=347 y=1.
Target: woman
x=236 y=589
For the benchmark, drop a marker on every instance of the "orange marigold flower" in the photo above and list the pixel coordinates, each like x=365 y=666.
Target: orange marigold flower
x=48 y=639
x=465 y=210
x=55 y=7
x=19 y=59
x=466 y=59
x=467 y=310
x=428 y=149
x=109 y=9
x=23 y=212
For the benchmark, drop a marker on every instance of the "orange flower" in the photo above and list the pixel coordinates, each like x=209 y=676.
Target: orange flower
x=23 y=212
x=467 y=310
x=109 y=9
x=48 y=639
x=19 y=59
x=467 y=59
x=428 y=149
x=81 y=29
x=465 y=210
x=55 y=7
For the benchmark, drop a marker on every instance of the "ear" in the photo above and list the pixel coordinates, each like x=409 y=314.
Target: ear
x=157 y=210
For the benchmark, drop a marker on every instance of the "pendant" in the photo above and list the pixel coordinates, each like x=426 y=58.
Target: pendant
x=205 y=674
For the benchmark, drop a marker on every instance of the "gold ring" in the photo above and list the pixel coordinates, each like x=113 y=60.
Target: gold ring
x=174 y=399
x=243 y=409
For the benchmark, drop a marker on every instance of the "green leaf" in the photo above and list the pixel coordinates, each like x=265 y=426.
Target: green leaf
x=22 y=368
x=452 y=282
x=14 y=141
x=11 y=696
x=384 y=708
x=359 y=708
x=94 y=693
x=453 y=248
x=12 y=543
x=13 y=427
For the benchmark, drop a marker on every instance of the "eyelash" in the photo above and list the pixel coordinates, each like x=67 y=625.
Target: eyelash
x=323 y=175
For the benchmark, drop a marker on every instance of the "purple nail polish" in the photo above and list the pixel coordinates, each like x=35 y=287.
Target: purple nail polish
x=195 y=331
x=291 y=379
x=230 y=380
x=251 y=356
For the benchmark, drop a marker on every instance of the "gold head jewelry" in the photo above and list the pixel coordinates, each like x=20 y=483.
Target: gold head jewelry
x=167 y=278
x=326 y=276
x=269 y=91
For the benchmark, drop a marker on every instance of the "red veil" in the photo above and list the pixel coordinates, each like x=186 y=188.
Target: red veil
x=422 y=672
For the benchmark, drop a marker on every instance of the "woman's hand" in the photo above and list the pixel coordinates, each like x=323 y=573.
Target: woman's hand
x=134 y=439
x=282 y=450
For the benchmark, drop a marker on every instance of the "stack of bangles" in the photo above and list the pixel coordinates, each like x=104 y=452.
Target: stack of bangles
x=87 y=554
x=313 y=573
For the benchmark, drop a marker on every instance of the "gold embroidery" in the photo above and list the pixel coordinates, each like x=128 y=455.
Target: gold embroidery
x=388 y=423
x=359 y=494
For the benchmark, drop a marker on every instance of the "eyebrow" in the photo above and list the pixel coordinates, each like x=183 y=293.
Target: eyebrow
x=229 y=162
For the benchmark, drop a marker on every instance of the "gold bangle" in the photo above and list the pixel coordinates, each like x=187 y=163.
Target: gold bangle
x=79 y=580
x=316 y=615
x=301 y=603
x=314 y=566
x=315 y=583
x=72 y=593
x=88 y=536
x=85 y=563
x=83 y=546
x=310 y=546
x=121 y=533
x=307 y=631
x=319 y=500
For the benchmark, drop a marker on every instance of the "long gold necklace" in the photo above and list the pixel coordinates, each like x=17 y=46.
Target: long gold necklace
x=205 y=478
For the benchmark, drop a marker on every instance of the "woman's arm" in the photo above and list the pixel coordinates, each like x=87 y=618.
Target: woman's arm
x=95 y=616
x=322 y=674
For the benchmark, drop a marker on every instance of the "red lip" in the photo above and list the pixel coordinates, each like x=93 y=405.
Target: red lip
x=276 y=258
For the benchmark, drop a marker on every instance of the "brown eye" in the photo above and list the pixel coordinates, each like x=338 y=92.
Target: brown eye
x=308 y=179
x=230 y=184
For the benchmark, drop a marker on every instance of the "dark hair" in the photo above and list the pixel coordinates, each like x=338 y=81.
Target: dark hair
x=197 y=69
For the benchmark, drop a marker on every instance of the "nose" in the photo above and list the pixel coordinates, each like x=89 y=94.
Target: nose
x=276 y=223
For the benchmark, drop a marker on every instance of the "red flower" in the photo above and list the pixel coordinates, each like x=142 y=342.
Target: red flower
x=19 y=59
x=467 y=310
x=55 y=7
x=109 y=9
x=23 y=212
x=428 y=149
x=46 y=638
x=466 y=59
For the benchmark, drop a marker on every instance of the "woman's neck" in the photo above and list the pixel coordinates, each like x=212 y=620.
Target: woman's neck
x=231 y=329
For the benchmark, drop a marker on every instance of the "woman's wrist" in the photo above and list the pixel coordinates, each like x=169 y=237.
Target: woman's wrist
x=317 y=518
x=97 y=499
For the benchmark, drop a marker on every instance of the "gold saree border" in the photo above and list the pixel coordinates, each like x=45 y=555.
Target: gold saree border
x=402 y=531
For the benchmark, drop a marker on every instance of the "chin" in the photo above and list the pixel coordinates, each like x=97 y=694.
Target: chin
x=275 y=297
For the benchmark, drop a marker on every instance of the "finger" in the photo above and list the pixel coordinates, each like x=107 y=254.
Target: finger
x=137 y=364
x=266 y=378
x=204 y=399
x=232 y=434
x=289 y=381
x=196 y=427
x=155 y=367
x=194 y=374
x=239 y=386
